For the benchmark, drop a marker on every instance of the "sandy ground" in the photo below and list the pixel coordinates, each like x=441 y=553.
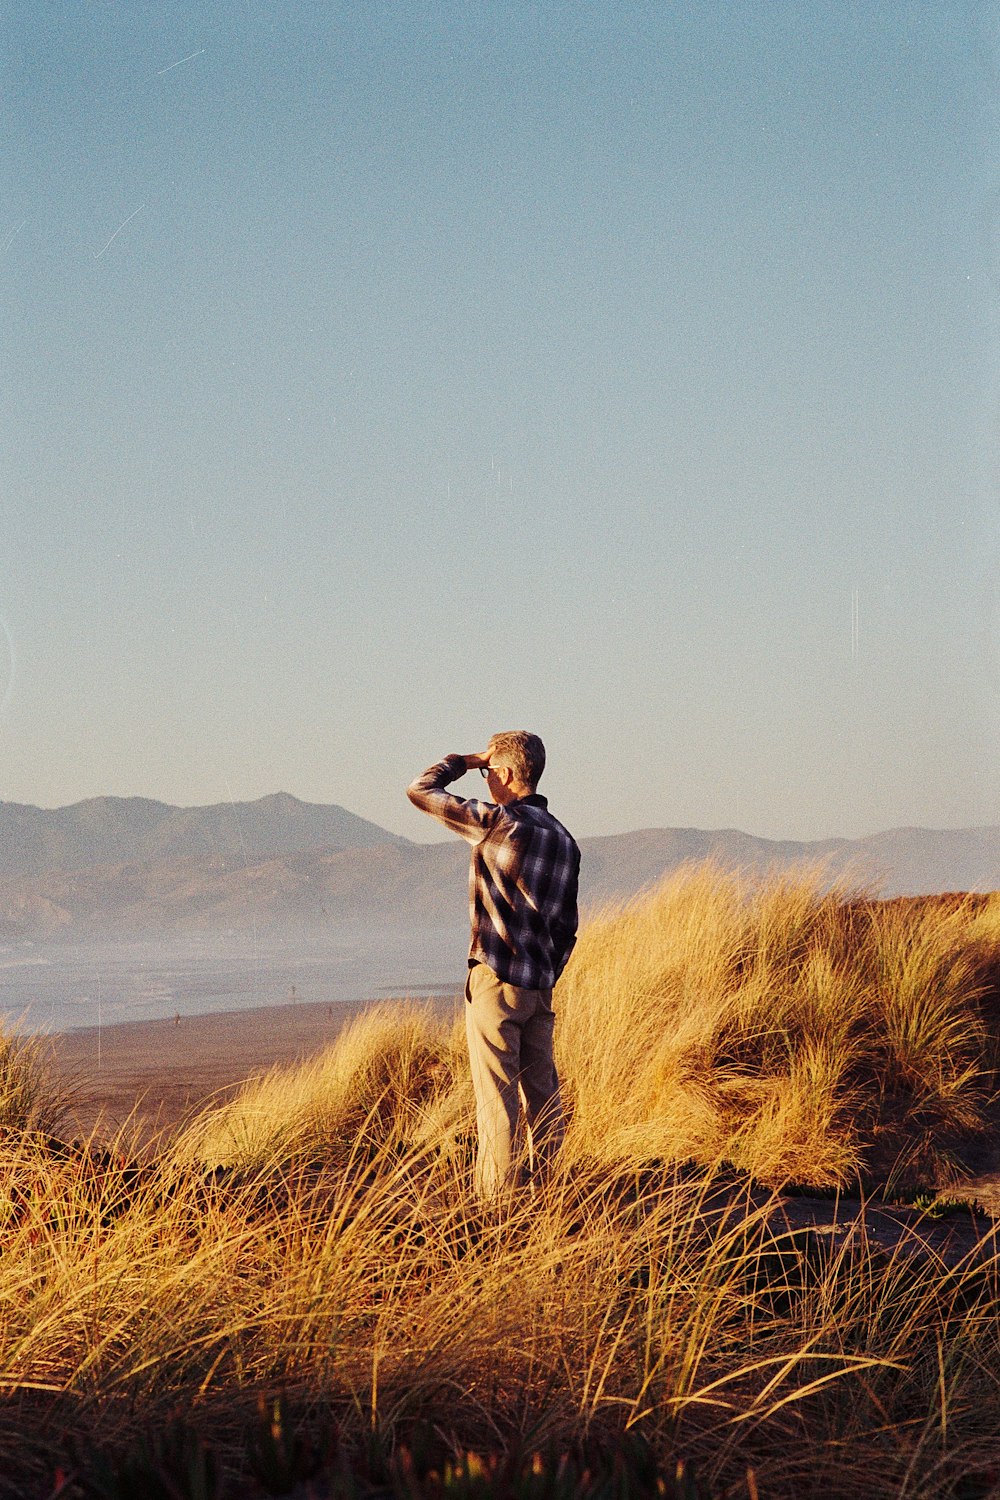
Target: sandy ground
x=158 y=1072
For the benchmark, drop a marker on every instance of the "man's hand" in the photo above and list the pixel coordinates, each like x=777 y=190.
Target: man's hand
x=475 y=760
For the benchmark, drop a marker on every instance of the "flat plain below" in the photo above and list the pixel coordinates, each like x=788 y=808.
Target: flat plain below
x=157 y=1073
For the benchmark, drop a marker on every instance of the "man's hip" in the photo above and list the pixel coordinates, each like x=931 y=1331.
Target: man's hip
x=485 y=988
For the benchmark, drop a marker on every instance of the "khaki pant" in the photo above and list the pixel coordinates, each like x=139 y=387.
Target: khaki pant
x=510 y=1051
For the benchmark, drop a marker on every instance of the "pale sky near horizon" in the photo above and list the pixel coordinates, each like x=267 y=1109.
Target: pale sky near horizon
x=378 y=376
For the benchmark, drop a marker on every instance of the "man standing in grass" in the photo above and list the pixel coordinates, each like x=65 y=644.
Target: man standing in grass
x=522 y=898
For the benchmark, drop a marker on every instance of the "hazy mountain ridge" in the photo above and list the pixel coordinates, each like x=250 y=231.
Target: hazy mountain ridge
x=137 y=831
x=397 y=884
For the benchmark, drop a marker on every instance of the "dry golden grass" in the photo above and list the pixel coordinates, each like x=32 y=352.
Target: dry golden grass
x=316 y=1235
x=791 y=1032
x=390 y=1066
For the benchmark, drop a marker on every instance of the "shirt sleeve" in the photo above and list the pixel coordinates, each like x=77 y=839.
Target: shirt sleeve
x=469 y=818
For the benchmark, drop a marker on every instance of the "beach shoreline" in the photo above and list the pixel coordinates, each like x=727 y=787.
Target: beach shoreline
x=147 y=1077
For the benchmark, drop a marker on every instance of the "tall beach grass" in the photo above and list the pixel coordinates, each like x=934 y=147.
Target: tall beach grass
x=314 y=1241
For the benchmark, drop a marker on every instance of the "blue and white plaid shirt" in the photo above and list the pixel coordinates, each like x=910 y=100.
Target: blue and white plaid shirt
x=523 y=878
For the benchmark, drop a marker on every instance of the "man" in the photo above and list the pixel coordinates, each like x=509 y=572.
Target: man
x=522 y=899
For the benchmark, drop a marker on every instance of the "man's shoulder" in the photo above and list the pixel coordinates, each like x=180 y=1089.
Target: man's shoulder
x=535 y=812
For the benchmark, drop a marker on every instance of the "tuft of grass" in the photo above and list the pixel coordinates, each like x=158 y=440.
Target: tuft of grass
x=796 y=1032
x=29 y=1098
x=373 y=1088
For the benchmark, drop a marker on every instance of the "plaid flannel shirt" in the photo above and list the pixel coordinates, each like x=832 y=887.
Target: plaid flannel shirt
x=523 y=878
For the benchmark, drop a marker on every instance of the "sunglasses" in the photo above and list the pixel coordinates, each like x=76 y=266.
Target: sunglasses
x=484 y=771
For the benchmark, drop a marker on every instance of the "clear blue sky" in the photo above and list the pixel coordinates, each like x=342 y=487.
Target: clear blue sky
x=375 y=376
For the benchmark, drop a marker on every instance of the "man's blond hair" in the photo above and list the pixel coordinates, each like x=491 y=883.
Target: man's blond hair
x=523 y=752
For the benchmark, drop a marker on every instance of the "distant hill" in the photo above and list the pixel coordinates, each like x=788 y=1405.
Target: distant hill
x=135 y=830
x=392 y=884
x=901 y=862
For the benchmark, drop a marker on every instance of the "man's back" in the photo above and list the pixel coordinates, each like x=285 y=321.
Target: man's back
x=523 y=877
x=523 y=895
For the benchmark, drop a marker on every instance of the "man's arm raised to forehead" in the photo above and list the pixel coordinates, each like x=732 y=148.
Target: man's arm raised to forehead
x=468 y=817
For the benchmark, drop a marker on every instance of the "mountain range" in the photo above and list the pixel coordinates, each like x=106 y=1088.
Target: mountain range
x=129 y=867
x=136 y=830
